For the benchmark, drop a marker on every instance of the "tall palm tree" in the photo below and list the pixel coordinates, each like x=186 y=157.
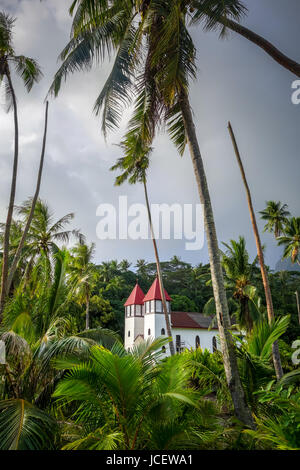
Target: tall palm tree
x=260 y=254
x=134 y=166
x=44 y=233
x=291 y=239
x=152 y=43
x=276 y=215
x=28 y=70
x=239 y=277
x=18 y=252
x=83 y=275
x=214 y=15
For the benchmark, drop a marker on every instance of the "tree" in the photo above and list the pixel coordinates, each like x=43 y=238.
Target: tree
x=44 y=233
x=239 y=279
x=28 y=70
x=276 y=215
x=143 y=405
x=134 y=166
x=291 y=239
x=124 y=265
x=37 y=327
x=216 y=16
x=158 y=43
x=260 y=254
x=18 y=252
x=83 y=275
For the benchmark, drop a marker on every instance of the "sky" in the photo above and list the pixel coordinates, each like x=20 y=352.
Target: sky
x=236 y=81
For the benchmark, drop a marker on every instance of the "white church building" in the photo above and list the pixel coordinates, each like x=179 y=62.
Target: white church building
x=144 y=318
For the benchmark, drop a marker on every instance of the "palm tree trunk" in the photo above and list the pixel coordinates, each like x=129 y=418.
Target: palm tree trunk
x=268 y=47
x=298 y=305
x=264 y=275
x=33 y=204
x=158 y=268
x=11 y=200
x=87 y=312
x=242 y=411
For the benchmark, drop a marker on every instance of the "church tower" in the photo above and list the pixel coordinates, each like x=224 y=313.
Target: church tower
x=154 y=319
x=134 y=317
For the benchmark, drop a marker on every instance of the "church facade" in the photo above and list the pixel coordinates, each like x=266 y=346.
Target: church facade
x=144 y=319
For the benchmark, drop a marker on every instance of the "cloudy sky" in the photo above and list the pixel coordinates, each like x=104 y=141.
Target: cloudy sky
x=236 y=82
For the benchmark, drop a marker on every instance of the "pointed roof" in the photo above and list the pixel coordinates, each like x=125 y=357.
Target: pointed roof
x=154 y=292
x=136 y=297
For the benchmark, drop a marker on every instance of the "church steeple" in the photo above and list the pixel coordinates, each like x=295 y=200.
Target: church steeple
x=136 y=297
x=153 y=300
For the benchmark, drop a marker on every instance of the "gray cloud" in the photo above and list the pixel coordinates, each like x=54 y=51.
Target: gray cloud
x=236 y=82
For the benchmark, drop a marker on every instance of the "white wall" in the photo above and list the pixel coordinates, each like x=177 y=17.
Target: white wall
x=188 y=336
x=136 y=327
x=155 y=322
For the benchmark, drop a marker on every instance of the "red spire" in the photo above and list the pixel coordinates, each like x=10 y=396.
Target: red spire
x=136 y=297
x=154 y=292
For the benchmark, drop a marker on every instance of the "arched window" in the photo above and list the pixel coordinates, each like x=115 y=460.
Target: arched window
x=197 y=342
x=214 y=344
x=149 y=332
x=163 y=331
x=128 y=333
x=163 y=349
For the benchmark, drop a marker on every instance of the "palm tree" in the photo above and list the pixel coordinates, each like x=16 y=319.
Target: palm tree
x=36 y=329
x=44 y=232
x=276 y=215
x=152 y=43
x=134 y=166
x=239 y=277
x=148 y=405
x=18 y=252
x=141 y=266
x=291 y=239
x=260 y=254
x=124 y=265
x=83 y=275
x=219 y=15
x=28 y=70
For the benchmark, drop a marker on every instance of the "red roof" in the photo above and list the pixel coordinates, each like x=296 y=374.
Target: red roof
x=154 y=292
x=191 y=320
x=136 y=297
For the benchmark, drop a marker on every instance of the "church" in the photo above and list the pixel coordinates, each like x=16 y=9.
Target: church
x=144 y=319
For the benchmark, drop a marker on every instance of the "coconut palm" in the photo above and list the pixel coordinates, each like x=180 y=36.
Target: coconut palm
x=28 y=70
x=291 y=239
x=124 y=265
x=19 y=250
x=260 y=253
x=44 y=232
x=134 y=166
x=220 y=15
x=83 y=275
x=276 y=215
x=239 y=279
x=155 y=59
